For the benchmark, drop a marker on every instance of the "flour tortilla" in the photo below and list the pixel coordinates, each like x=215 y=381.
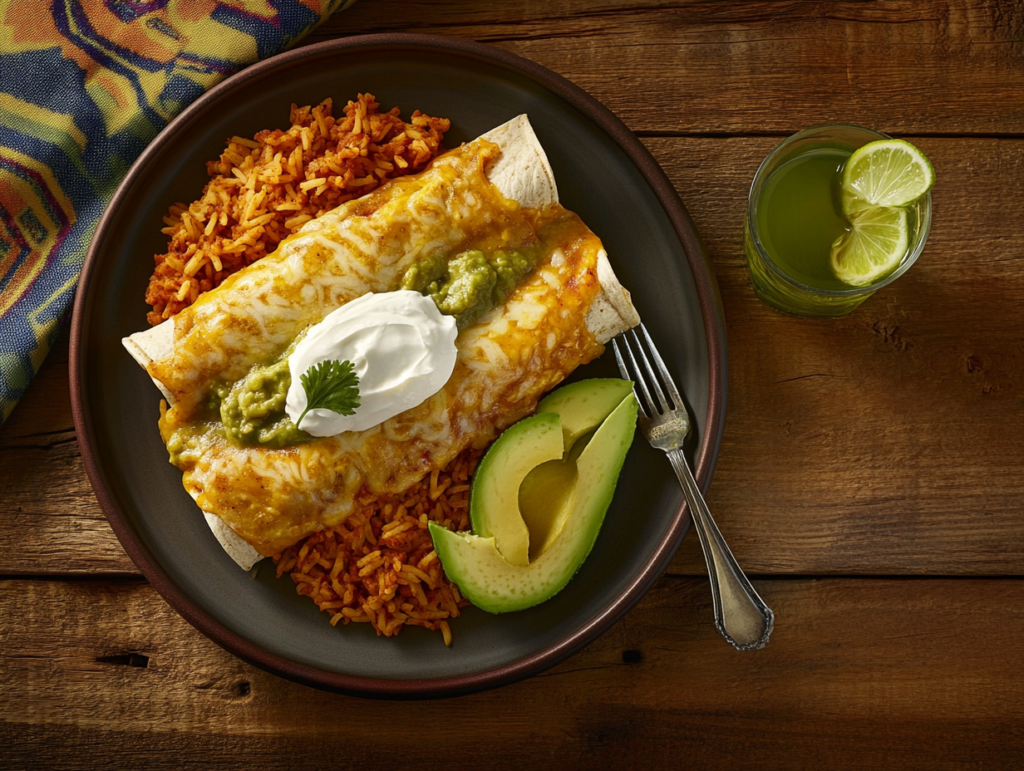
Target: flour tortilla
x=522 y=173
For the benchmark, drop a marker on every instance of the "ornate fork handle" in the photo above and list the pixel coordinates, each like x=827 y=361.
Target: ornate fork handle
x=740 y=614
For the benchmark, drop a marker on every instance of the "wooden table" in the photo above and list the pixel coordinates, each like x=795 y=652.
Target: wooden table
x=871 y=478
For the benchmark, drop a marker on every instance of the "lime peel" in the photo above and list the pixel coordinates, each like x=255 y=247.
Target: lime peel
x=879 y=180
x=888 y=172
x=874 y=247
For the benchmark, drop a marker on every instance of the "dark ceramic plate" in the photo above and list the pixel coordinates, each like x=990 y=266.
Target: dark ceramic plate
x=603 y=173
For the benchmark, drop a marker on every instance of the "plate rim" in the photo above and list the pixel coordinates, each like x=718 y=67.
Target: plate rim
x=714 y=329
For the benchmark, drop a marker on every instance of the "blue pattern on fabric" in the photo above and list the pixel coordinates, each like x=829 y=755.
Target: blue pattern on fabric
x=84 y=87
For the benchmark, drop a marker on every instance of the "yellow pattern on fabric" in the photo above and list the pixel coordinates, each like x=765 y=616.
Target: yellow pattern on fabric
x=23 y=198
x=14 y=110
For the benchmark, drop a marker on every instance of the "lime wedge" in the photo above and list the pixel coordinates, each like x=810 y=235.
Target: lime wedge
x=874 y=246
x=889 y=172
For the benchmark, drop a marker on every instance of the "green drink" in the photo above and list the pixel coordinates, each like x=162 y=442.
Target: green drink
x=799 y=226
x=799 y=215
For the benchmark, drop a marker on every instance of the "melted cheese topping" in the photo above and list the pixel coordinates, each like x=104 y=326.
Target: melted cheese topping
x=506 y=360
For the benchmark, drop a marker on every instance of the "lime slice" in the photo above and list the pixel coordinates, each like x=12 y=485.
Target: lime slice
x=889 y=172
x=874 y=246
x=854 y=205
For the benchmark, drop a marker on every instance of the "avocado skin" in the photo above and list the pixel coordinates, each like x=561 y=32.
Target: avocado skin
x=483 y=576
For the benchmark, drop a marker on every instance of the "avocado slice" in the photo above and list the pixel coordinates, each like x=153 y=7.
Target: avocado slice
x=546 y=499
x=548 y=493
x=491 y=582
x=494 y=502
x=584 y=404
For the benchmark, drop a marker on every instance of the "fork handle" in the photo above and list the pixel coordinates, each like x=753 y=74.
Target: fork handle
x=740 y=613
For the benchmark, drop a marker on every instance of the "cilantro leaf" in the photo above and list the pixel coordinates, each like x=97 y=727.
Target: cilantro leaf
x=330 y=385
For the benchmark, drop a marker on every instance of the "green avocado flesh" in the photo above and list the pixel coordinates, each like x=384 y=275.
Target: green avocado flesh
x=494 y=502
x=579 y=403
x=469 y=284
x=562 y=507
x=546 y=498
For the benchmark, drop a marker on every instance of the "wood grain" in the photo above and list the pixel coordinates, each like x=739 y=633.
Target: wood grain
x=696 y=67
x=50 y=521
x=890 y=441
x=908 y=674
x=885 y=443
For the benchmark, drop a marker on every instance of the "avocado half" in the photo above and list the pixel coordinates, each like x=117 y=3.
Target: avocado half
x=494 y=505
x=474 y=562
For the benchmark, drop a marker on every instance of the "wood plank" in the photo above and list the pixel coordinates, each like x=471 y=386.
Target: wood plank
x=891 y=441
x=50 y=521
x=888 y=442
x=690 y=66
x=860 y=674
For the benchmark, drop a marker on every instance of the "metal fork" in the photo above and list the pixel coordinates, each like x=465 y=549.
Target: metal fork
x=740 y=614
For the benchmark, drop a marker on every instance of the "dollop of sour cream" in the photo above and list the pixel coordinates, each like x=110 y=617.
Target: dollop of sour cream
x=402 y=348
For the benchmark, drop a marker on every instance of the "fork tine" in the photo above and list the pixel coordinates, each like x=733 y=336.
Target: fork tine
x=642 y=378
x=670 y=383
x=623 y=370
x=645 y=409
x=650 y=379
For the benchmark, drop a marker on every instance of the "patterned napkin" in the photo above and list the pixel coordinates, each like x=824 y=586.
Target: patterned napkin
x=84 y=86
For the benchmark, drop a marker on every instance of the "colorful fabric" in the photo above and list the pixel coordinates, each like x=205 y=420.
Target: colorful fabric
x=84 y=86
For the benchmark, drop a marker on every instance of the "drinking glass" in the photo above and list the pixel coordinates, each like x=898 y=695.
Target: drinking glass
x=772 y=283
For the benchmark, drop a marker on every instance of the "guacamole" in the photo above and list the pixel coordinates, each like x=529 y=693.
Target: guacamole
x=252 y=410
x=248 y=412
x=470 y=284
